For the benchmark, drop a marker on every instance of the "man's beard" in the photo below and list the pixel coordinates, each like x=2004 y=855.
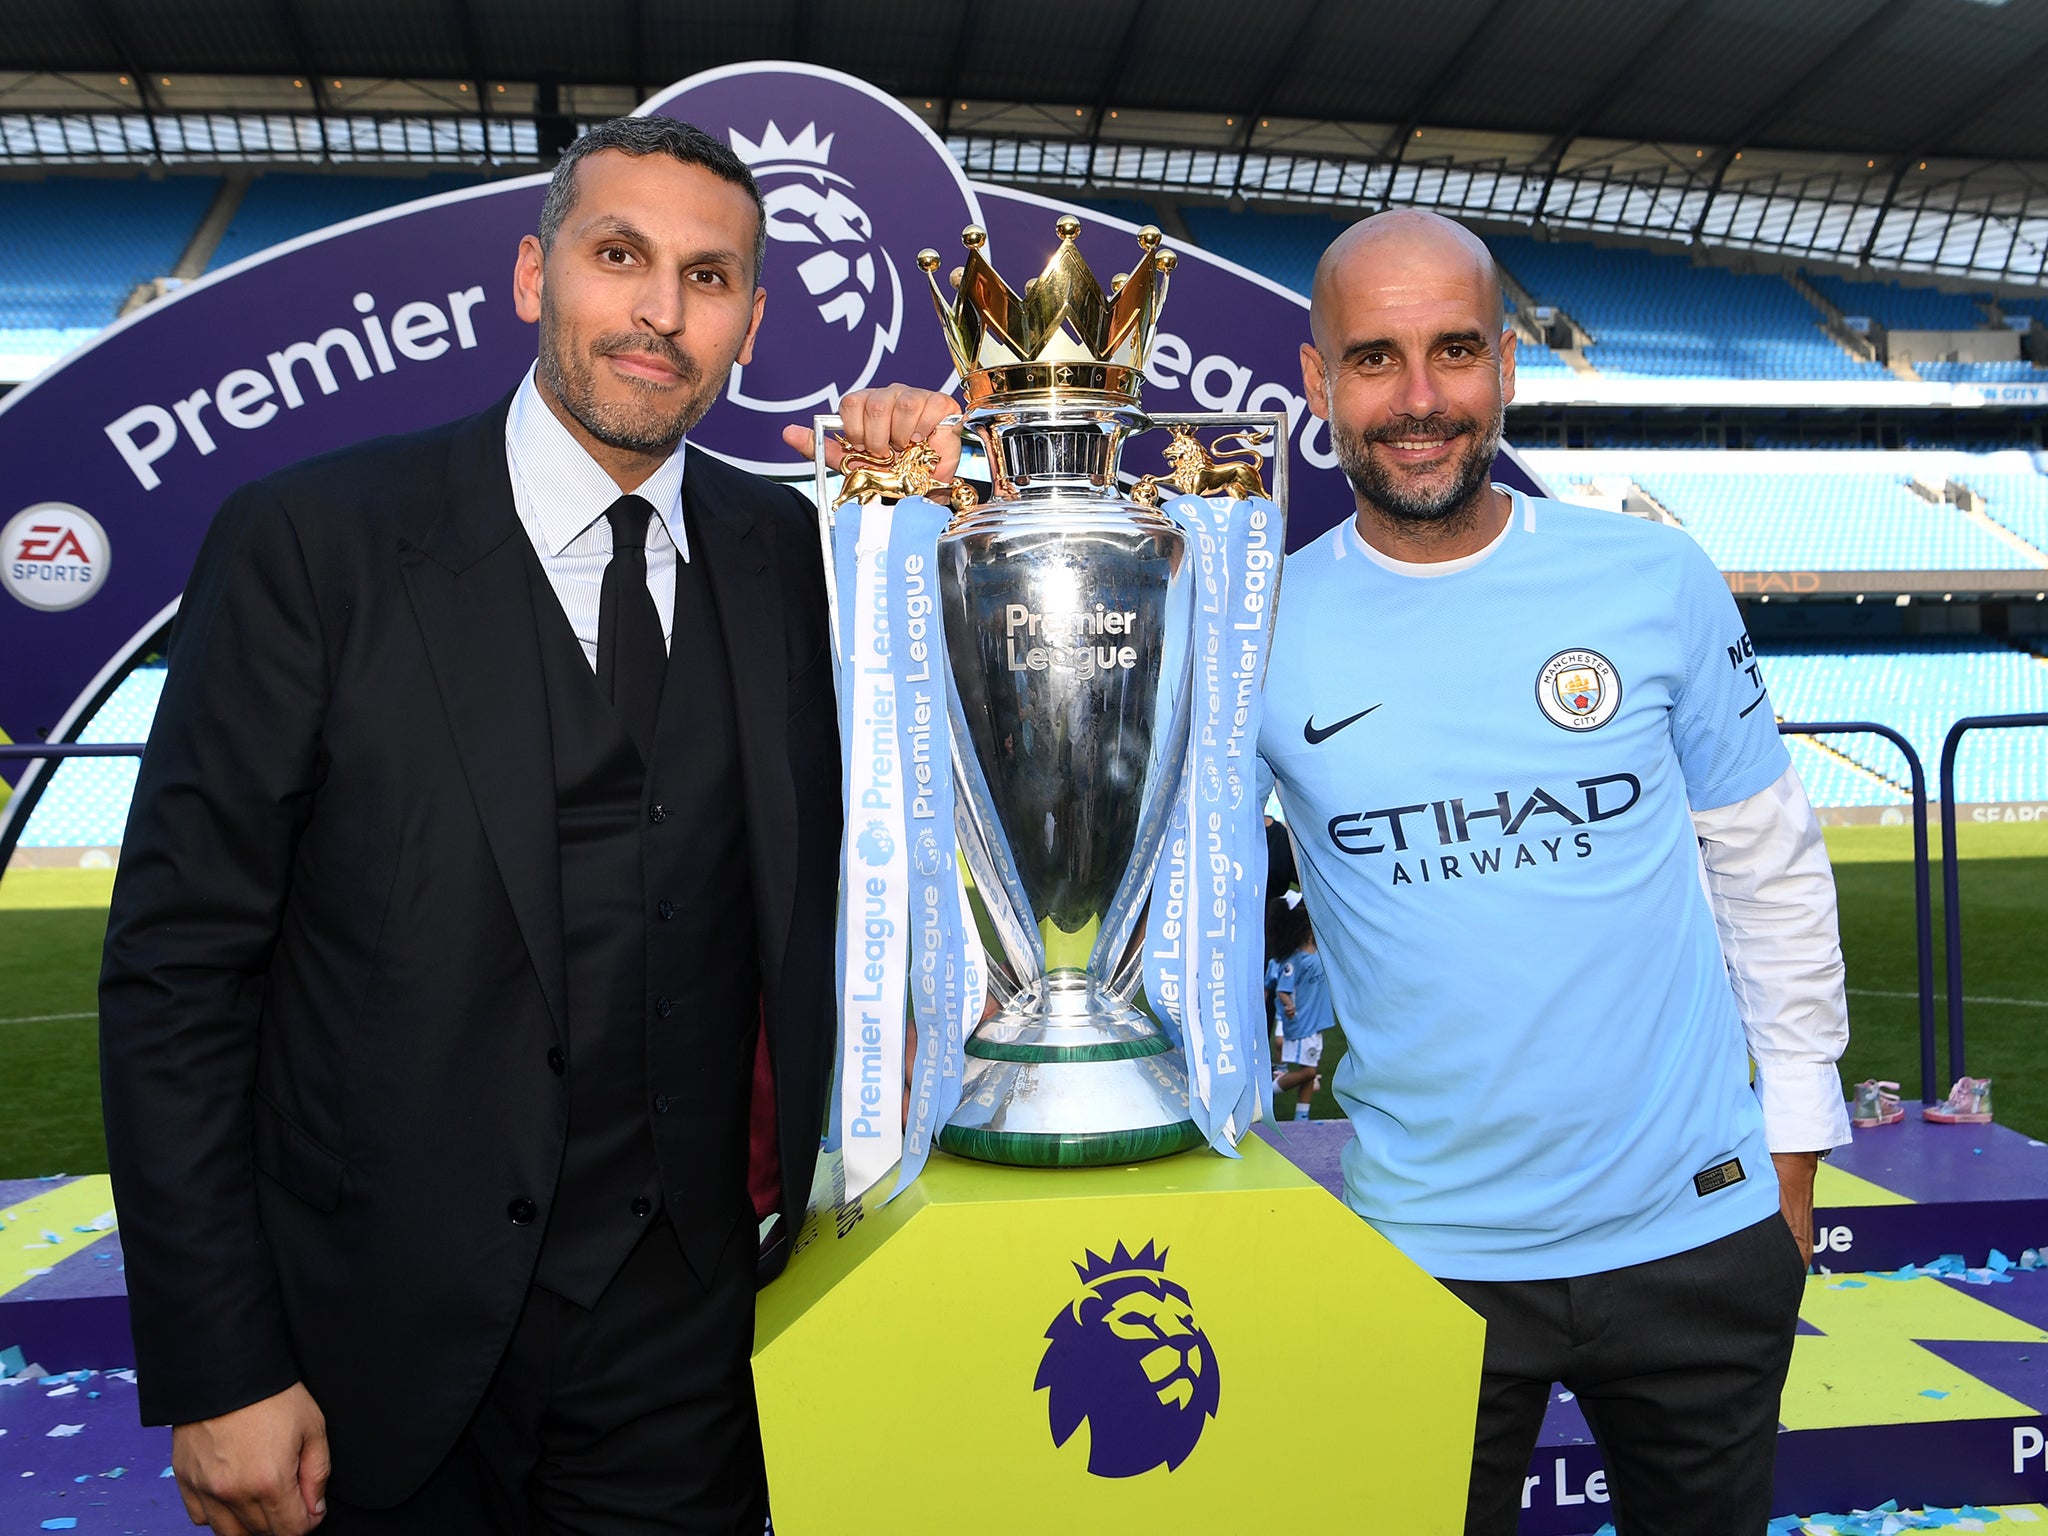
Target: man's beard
x=1380 y=487
x=644 y=425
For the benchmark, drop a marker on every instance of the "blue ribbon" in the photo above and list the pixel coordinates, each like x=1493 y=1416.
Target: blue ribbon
x=938 y=951
x=1205 y=929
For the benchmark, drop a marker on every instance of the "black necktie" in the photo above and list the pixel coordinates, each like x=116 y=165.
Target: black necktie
x=631 y=657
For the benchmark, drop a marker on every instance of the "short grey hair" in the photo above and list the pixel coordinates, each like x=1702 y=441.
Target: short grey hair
x=682 y=142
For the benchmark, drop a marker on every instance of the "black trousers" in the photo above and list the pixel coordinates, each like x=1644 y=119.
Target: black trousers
x=633 y=1418
x=1678 y=1365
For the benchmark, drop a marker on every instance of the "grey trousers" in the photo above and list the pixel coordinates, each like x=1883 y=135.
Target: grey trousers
x=1678 y=1365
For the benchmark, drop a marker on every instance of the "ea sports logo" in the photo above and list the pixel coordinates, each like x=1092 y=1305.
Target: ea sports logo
x=1578 y=690
x=54 y=555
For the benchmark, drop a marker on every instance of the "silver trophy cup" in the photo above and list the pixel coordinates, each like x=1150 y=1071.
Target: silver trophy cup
x=1068 y=619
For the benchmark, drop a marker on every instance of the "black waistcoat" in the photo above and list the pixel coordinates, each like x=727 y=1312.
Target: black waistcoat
x=658 y=922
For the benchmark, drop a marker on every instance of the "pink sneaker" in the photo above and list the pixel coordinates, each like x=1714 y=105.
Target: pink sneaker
x=1877 y=1103
x=1968 y=1103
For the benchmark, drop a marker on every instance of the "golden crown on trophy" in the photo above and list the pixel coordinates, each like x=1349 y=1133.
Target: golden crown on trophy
x=1064 y=333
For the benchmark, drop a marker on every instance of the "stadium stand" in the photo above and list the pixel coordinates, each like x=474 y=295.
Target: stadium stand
x=1847 y=521
x=2012 y=371
x=283 y=206
x=72 y=249
x=1920 y=688
x=1898 y=307
x=1842 y=511
x=1286 y=248
x=86 y=805
x=1656 y=316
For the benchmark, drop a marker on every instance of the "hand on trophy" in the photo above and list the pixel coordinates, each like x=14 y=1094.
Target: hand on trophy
x=880 y=421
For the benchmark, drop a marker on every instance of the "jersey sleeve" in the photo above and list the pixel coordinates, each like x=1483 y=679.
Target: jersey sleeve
x=1284 y=982
x=1722 y=723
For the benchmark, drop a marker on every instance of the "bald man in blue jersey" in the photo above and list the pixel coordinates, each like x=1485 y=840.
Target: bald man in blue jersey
x=1568 y=890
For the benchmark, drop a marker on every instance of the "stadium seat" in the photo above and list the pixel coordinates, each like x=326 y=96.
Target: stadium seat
x=1657 y=316
x=61 y=288
x=285 y=205
x=1920 y=688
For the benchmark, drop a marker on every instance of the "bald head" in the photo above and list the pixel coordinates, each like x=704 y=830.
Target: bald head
x=1399 y=252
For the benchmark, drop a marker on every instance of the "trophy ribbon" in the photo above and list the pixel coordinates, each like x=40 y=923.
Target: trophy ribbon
x=874 y=868
x=1205 y=929
x=905 y=938
x=946 y=964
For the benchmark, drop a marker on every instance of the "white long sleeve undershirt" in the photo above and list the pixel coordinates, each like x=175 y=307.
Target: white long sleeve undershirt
x=1766 y=872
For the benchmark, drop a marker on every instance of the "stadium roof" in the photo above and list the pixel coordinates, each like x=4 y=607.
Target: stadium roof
x=1715 y=120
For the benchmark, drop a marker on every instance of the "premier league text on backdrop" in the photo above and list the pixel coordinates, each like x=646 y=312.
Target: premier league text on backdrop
x=247 y=398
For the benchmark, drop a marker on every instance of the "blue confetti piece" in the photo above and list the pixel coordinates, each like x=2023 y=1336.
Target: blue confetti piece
x=117 y=1472
x=1998 y=1262
x=1848 y=1285
x=61 y=1523
x=80 y=1478
x=165 y=1473
x=1930 y=1392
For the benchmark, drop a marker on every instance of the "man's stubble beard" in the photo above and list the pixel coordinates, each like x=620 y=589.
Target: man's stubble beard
x=646 y=426
x=1378 y=488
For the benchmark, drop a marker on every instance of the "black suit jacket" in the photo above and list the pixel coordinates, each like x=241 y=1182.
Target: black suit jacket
x=334 y=967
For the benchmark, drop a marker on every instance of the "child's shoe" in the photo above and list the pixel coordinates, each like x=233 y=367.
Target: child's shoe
x=1877 y=1103
x=1968 y=1103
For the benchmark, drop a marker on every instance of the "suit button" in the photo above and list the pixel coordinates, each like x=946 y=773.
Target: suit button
x=556 y=1064
x=663 y=1006
x=667 y=909
x=522 y=1213
x=661 y=1103
x=642 y=1206
x=657 y=813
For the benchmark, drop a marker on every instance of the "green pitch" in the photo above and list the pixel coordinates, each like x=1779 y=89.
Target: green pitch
x=52 y=921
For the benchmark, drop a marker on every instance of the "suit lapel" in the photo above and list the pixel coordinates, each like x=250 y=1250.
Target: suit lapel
x=736 y=549
x=468 y=582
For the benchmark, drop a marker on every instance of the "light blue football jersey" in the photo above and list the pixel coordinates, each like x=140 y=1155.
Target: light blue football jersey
x=1302 y=978
x=1487 y=774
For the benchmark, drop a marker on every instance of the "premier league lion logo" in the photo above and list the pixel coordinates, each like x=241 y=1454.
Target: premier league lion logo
x=1127 y=1357
x=817 y=231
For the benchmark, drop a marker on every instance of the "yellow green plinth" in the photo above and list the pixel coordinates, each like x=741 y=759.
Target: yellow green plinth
x=1167 y=1347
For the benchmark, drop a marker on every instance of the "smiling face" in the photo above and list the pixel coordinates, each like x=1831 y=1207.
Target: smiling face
x=645 y=301
x=1411 y=365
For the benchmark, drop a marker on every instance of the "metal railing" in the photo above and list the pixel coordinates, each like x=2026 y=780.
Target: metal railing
x=33 y=752
x=1951 y=887
x=1923 y=895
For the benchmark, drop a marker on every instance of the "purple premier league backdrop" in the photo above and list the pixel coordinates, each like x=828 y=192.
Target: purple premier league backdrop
x=112 y=463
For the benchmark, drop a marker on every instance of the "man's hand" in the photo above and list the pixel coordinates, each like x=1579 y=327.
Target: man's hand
x=1795 y=1195
x=879 y=421
x=259 y=1471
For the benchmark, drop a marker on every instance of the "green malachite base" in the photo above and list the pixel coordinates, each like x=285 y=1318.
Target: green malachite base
x=1100 y=1149
x=1106 y=1050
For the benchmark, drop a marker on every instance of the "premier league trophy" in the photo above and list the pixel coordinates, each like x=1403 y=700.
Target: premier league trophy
x=1068 y=611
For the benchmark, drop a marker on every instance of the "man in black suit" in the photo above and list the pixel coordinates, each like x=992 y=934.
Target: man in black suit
x=477 y=898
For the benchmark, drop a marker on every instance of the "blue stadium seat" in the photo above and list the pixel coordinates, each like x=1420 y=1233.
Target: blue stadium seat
x=86 y=803
x=1920 y=688
x=1849 y=520
x=1657 y=316
x=281 y=206
x=1286 y=248
x=2011 y=372
x=72 y=248
x=1900 y=308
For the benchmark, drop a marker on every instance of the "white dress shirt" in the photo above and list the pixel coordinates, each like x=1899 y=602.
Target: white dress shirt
x=1767 y=875
x=562 y=494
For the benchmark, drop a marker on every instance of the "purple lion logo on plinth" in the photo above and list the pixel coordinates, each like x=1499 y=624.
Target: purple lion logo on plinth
x=1127 y=1357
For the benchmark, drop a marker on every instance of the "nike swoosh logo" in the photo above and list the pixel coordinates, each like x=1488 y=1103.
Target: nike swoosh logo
x=1314 y=736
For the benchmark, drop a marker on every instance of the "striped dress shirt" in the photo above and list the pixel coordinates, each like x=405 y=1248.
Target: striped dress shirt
x=562 y=494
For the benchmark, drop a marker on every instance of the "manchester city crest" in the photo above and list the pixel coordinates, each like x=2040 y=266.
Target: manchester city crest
x=1578 y=690
x=1127 y=1358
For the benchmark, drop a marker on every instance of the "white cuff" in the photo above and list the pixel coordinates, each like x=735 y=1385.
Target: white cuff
x=1803 y=1106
